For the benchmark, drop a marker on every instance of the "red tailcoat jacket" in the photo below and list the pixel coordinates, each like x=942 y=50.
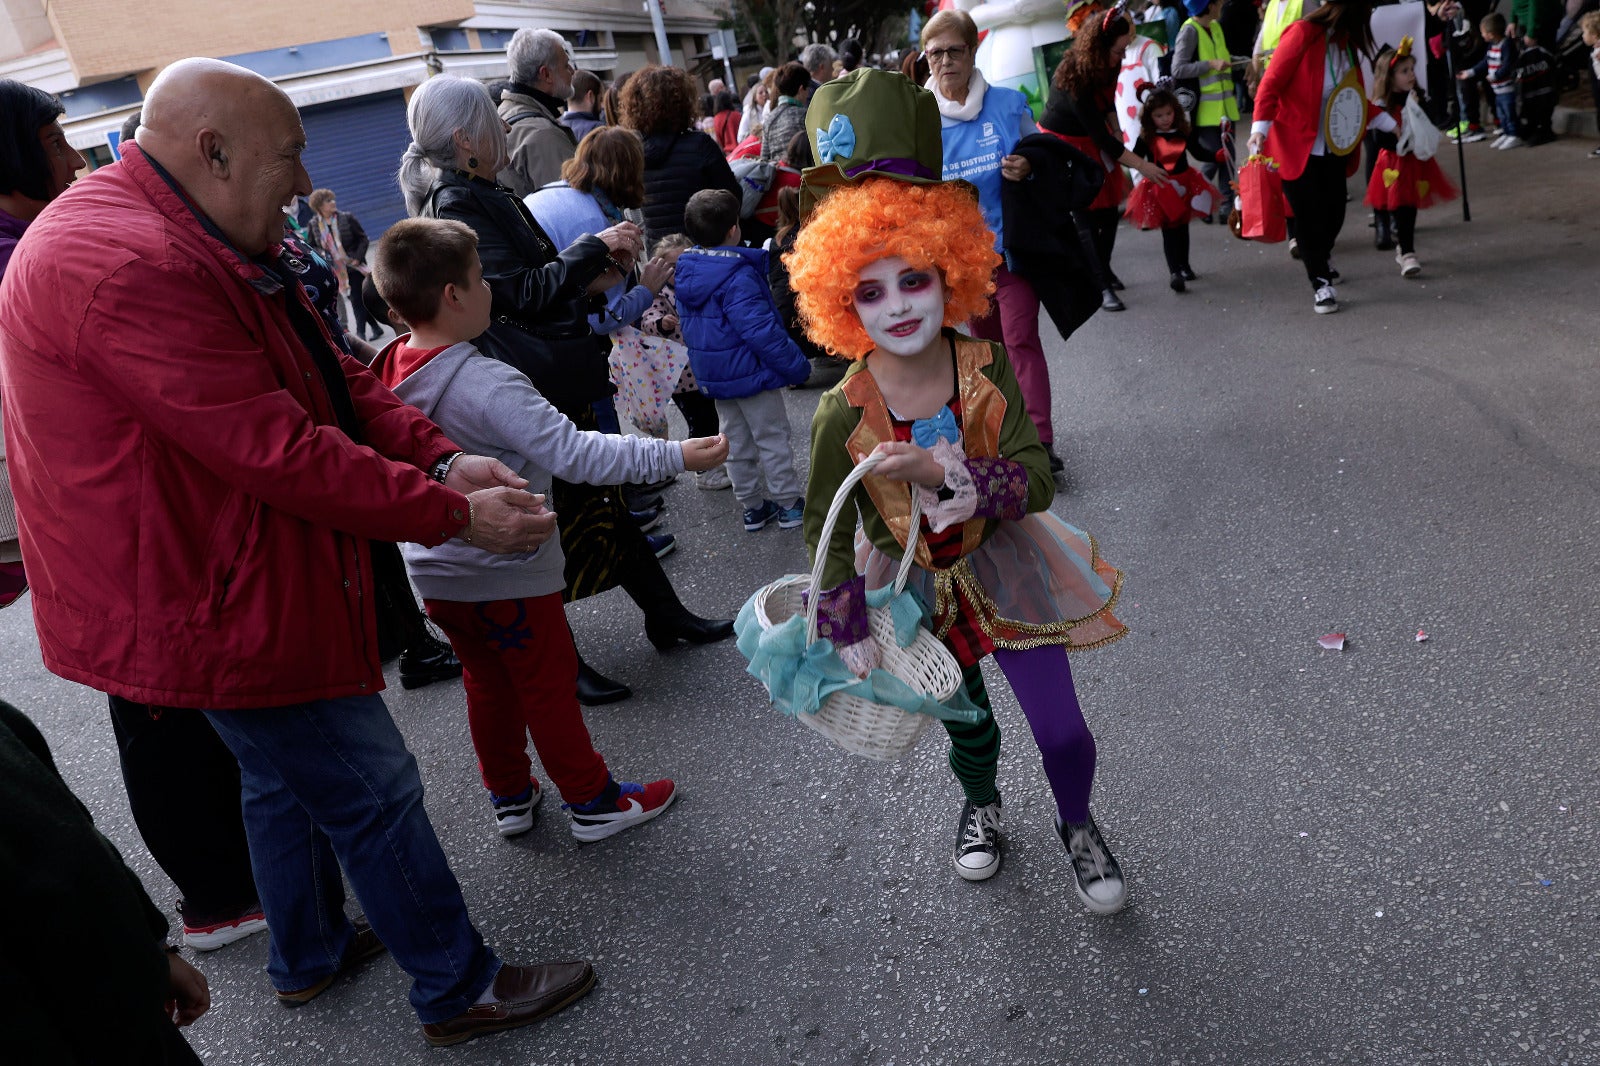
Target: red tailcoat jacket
x=1290 y=97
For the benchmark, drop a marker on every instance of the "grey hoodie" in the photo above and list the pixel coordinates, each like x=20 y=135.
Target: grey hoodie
x=488 y=408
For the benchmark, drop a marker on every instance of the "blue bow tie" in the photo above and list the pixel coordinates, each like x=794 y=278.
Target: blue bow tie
x=927 y=432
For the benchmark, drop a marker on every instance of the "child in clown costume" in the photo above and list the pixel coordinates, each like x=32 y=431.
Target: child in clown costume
x=1401 y=183
x=885 y=266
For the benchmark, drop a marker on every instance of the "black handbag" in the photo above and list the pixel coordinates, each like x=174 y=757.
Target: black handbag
x=570 y=370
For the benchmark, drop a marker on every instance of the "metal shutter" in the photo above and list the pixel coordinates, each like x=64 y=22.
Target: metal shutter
x=353 y=147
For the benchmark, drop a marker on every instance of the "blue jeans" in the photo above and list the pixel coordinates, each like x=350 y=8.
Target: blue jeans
x=328 y=784
x=1505 y=110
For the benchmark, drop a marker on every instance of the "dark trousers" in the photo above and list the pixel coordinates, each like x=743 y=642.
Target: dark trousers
x=363 y=320
x=1175 y=246
x=183 y=789
x=700 y=411
x=1317 y=197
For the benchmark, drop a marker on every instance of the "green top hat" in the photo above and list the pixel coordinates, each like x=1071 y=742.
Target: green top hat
x=870 y=123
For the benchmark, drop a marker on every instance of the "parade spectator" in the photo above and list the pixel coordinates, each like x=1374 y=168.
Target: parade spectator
x=818 y=60
x=725 y=121
x=36 y=165
x=583 y=111
x=755 y=103
x=1538 y=90
x=1499 y=67
x=353 y=237
x=742 y=358
x=58 y=862
x=243 y=585
x=541 y=82
x=1535 y=21
x=542 y=295
x=1591 y=38
x=850 y=55
x=1314 y=57
x=324 y=231
x=1079 y=110
x=789 y=113
x=679 y=161
x=429 y=273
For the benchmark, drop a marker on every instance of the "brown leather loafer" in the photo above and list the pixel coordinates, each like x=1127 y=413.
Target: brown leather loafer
x=365 y=945
x=523 y=994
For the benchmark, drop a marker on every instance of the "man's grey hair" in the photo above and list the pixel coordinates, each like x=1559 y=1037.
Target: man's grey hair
x=441 y=106
x=531 y=49
x=818 y=55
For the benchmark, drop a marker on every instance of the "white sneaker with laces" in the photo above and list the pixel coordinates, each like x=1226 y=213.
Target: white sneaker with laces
x=1410 y=265
x=1498 y=141
x=1512 y=142
x=513 y=815
x=714 y=479
x=1327 y=301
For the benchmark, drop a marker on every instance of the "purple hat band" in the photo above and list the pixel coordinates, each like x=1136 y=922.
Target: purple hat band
x=906 y=168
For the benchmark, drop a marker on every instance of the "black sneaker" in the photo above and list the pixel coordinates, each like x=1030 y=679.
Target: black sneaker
x=513 y=815
x=1110 y=301
x=1177 y=282
x=978 y=841
x=1188 y=273
x=1056 y=465
x=1094 y=868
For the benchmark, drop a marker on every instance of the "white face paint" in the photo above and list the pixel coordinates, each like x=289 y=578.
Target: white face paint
x=901 y=308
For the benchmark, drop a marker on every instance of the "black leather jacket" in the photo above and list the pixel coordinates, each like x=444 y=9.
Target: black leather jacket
x=541 y=311
x=534 y=283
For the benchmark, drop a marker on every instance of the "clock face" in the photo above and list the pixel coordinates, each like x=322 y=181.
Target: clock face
x=1346 y=119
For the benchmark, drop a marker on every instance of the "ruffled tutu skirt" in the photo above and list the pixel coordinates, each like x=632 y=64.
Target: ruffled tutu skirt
x=1189 y=196
x=1035 y=581
x=1405 y=181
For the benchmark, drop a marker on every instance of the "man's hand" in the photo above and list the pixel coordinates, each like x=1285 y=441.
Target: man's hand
x=656 y=274
x=469 y=473
x=507 y=520
x=624 y=241
x=188 y=995
x=1015 y=168
x=703 y=453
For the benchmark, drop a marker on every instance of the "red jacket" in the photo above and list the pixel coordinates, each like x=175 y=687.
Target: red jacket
x=1290 y=97
x=194 y=525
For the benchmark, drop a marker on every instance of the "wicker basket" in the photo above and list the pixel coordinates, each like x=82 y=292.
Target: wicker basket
x=860 y=726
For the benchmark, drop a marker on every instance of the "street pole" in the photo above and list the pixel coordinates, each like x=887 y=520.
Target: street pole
x=1461 y=115
x=654 y=7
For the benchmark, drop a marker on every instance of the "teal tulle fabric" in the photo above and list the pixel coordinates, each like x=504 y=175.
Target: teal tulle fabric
x=799 y=679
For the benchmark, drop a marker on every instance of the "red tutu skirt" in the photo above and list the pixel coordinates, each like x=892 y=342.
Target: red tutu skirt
x=1405 y=181
x=1188 y=197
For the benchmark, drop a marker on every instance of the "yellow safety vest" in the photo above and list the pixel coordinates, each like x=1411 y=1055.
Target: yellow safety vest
x=1278 y=15
x=1216 y=87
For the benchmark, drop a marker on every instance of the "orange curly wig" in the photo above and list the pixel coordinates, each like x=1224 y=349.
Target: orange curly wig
x=938 y=226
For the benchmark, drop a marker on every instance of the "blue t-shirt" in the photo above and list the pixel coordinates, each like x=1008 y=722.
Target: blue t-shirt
x=973 y=149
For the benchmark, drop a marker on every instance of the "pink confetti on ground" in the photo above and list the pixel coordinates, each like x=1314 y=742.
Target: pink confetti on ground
x=1332 y=641
x=1421 y=636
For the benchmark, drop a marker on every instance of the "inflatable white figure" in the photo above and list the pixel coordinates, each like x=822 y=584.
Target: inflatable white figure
x=1139 y=67
x=1012 y=30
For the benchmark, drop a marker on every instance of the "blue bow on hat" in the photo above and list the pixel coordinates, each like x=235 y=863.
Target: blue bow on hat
x=838 y=141
x=927 y=432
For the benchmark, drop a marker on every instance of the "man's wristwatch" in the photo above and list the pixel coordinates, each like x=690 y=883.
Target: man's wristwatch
x=441 y=470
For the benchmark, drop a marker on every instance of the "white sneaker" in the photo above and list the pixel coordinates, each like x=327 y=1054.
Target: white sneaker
x=1096 y=873
x=1294 y=248
x=978 y=841
x=1498 y=141
x=513 y=815
x=714 y=479
x=1512 y=142
x=1410 y=266
x=1327 y=301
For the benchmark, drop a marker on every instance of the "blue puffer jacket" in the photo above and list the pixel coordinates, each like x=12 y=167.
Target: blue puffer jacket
x=737 y=343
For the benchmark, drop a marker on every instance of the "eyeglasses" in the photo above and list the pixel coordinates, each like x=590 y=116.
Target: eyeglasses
x=937 y=56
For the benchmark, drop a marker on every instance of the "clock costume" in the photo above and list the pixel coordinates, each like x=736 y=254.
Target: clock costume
x=999 y=574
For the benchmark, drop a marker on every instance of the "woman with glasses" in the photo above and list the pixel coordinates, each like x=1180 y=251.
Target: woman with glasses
x=981 y=125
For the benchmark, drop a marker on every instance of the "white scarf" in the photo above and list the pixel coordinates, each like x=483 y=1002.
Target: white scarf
x=968 y=111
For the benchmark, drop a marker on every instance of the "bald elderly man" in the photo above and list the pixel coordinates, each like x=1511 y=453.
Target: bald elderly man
x=198 y=474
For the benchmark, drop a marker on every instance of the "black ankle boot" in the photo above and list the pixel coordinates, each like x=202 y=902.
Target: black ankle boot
x=665 y=633
x=427 y=661
x=596 y=689
x=1109 y=301
x=666 y=619
x=1382 y=231
x=1177 y=281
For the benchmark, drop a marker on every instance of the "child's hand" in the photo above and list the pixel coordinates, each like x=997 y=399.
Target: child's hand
x=908 y=462
x=703 y=453
x=669 y=323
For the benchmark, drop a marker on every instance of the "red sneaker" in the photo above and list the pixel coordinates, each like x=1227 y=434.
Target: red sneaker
x=208 y=933
x=635 y=804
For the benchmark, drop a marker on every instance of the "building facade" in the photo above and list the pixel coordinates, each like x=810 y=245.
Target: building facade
x=348 y=66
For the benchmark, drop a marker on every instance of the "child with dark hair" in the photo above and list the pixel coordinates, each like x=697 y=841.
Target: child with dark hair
x=1499 y=65
x=742 y=357
x=1537 y=78
x=503 y=613
x=1165 y=139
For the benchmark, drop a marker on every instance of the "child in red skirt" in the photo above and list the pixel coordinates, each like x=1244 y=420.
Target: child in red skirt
x=1401 y=182
x=1166 y=140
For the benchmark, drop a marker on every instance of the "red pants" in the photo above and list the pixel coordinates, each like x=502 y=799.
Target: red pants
x=520 y=670
x=1013 y=319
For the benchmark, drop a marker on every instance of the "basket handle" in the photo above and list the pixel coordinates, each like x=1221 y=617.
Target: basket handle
x=840 y=499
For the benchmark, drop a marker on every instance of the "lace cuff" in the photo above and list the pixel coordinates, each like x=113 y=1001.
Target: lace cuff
x=1002 y=487
x=862 y=657
x=842 y=613
x=962 y=503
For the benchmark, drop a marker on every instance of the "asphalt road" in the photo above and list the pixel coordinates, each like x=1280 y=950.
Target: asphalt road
x=1384 y=855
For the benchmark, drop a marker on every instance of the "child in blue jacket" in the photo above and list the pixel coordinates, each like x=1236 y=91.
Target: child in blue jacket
x=742 y=357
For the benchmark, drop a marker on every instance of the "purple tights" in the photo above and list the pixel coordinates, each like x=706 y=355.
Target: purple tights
x=1042 y=681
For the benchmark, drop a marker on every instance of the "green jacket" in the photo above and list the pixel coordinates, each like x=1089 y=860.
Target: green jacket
x=852 y=419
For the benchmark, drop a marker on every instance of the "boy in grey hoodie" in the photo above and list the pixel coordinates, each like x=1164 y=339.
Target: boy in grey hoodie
x=503 y=613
